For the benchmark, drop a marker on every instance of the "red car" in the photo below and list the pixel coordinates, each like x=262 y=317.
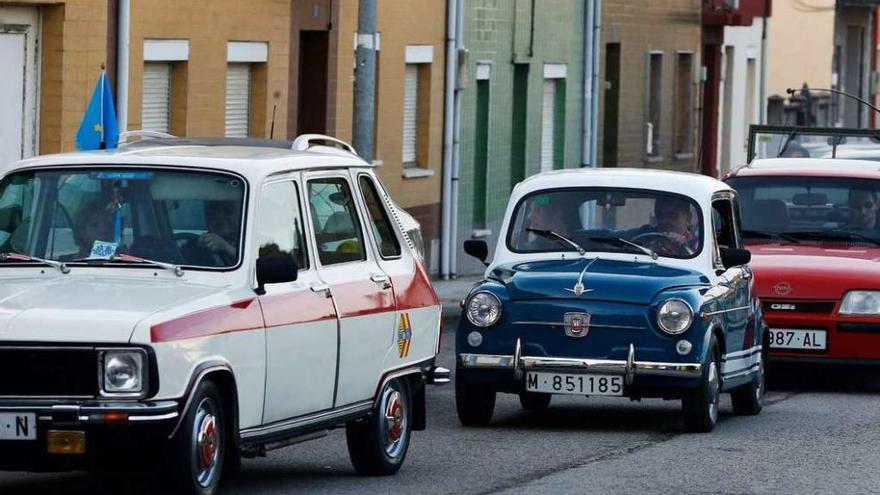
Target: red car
x=809 y=203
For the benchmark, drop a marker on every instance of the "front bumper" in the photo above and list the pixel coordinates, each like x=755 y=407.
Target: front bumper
x=117 y=434
x=630 y=368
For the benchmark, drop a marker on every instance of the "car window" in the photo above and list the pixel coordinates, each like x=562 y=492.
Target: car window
x=90 y=214
x=279 y=226
x=723 y=226
x=383 y=230
x=335 y=221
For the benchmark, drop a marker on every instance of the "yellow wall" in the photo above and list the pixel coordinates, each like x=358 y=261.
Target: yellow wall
x=800 y=45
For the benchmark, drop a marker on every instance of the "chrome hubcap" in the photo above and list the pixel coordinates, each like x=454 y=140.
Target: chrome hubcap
x=207 y=442
x=393 y=421
x=713 y=395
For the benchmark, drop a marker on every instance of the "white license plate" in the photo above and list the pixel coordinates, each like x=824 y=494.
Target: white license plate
x=559 y=383
x=798 y=339
x=18 y=426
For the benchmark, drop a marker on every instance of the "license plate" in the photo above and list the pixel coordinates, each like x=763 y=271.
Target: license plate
x=558 y=383
x=18 y=426
x=798 y=339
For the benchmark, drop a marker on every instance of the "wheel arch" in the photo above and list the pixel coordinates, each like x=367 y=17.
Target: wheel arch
x=221 y=373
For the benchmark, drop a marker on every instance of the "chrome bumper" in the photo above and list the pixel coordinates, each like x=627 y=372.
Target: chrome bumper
x=96 y=413
x=628 y=368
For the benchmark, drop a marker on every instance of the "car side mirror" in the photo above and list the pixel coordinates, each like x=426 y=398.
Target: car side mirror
x=732 y=257
x=276 y=270
x=477 y=248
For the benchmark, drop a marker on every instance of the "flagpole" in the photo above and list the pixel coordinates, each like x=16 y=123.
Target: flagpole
x=101 y=82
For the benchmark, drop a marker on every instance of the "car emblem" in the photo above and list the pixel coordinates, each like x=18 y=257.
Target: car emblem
x=782 y=288
x=576 y=324
x=579 y=289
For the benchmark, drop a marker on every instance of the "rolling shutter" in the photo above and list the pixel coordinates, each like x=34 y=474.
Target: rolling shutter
x=238 y=92
x=547 y=125
x=410 y=112
x=156 y=97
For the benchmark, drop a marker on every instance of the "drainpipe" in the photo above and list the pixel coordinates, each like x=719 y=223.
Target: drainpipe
x=122 y=43
x=456 y=144
x=449 y=117
x=597 y=38
x=587 y=117
x=762 y=92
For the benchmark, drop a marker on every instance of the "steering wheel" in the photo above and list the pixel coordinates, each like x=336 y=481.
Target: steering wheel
x=183 y=238
x=662 y=243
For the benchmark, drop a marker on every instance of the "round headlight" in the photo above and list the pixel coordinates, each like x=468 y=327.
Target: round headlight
x=122 y=372
x=674 y=316
x=483 y=309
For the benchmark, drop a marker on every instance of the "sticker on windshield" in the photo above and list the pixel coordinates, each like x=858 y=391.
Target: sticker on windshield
x=116 y=175
x=102 y=250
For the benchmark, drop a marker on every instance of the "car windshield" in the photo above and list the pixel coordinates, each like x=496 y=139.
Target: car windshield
x=809 y=209
x=851 y=144
x=99 y=215
x=607 y=220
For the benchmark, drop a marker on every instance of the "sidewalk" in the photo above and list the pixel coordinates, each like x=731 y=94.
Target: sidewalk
x=451 y=292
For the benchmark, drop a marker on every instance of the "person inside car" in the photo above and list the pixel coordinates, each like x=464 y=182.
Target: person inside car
x=219 y=245
x=548 y=212
x=92 y=222
x=863 y=210
x=672 y=226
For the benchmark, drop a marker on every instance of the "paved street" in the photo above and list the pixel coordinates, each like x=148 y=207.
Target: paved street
x=818 y=440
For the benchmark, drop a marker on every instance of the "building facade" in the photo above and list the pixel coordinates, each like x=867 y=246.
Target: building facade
x=651 y=68
x=521 y=77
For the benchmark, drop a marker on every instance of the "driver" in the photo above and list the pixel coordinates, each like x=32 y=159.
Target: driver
x=221 y=239
x=863 y=209
x=672 y=220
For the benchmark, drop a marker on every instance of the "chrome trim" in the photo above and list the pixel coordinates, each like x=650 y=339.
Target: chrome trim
x=751 y=369
x=302 y=421
x=730 y=310
x=439 y=375
x=630 y=365
x=517 y=355
x=160 y=417
x=582 y=366
x=91 y=413
x=592 y=325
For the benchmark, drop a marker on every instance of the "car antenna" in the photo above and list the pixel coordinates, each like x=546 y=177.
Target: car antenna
x=272 y=127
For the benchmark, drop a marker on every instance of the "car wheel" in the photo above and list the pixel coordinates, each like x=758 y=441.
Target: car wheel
x=377 y=445
x=748 y=400
x=700 y=407
x=534 y=401
x=474 y=402
x=199 y=448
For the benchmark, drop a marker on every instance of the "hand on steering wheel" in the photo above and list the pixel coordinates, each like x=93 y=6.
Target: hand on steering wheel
x=664 y=243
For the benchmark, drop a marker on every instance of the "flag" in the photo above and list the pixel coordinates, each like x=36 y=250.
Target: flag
x=98 y=129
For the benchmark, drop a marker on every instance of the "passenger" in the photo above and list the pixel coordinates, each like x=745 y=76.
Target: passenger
x=863 y=209
x=550 y=212
x=92 y=222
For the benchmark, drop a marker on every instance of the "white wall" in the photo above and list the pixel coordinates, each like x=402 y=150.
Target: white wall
x=733 y=125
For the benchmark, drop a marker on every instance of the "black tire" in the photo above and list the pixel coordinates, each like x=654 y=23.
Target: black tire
x=748 y=400
x=700 y=407
x=377 y=445
x=198 y=450
x=535 y=401
x=474 y=402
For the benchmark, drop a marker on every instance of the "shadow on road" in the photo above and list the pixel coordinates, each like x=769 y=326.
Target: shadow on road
x=824 y=378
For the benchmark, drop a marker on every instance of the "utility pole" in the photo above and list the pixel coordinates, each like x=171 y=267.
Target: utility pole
x=365 y=80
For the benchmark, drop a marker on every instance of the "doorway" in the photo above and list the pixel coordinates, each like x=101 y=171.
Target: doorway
x=312 y=104
x=19 y=29
x=612 y=105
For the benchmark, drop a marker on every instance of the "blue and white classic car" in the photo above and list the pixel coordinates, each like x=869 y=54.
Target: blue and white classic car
x=614 y=282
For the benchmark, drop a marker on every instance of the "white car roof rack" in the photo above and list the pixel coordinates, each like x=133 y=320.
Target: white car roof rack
x=143 y=134
x=306 y=141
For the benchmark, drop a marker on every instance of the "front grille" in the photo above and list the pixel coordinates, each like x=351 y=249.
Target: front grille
x=820 y=307
x=48 y=372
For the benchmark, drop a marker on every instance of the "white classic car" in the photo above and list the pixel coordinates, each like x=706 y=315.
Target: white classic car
x=198 y=301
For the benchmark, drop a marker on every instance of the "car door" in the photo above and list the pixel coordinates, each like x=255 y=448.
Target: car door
x=416 y=334
x=361 y=290
x=738 y=312
x=301 y=322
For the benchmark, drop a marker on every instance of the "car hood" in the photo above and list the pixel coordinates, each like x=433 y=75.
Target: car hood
x=84 y=309
x=813 y=272
x=605 y=280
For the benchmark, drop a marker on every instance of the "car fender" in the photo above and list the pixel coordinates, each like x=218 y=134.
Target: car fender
x=199 y=373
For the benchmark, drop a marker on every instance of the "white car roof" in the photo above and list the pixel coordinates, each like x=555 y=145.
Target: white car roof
x=252 y=162
x=816 y=164
x=696 y=186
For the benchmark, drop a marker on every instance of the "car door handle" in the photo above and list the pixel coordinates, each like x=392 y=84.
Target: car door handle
x=382 y=280
x=321 y=288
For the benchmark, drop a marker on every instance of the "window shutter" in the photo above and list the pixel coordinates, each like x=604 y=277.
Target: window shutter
x=238 y=92
x=156 y=98
x=410 y=112
x=547 y=125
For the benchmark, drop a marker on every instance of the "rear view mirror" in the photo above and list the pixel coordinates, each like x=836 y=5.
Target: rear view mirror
x=477 y=248
x=732 y=257
x=276 y=269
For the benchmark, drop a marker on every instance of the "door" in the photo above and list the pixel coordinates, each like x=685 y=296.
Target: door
x=612 y=104
x=312 y=108
x=301 y=323
x=19 y=29
x=238 y=100
x=738 y=317
x=361 y=290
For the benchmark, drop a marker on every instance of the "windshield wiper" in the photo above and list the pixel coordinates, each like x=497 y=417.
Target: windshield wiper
x=625 y=242
x=835 y=235
x=127 y=258
x=549 y=234
x=61 y=266
x=771 y=235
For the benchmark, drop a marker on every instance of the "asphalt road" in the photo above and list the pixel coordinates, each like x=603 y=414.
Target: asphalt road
x=819 y=434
